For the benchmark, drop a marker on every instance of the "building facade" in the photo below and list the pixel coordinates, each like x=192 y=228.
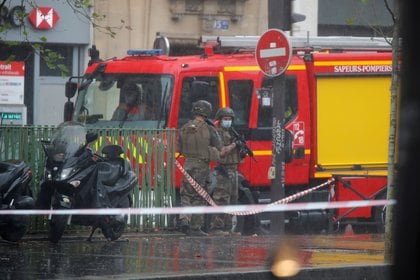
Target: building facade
x=33 y=93
x=184 y=21
x=138 y=21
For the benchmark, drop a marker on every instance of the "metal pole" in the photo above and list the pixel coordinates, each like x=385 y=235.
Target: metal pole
x=279 y=13
x=277 y=184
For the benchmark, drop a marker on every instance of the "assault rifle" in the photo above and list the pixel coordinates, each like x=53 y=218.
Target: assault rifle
x=241 y=142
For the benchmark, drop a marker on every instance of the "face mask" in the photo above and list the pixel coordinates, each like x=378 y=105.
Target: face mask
x=226 y=123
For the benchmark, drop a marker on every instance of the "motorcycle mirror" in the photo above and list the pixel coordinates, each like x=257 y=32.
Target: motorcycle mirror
x=91 y=136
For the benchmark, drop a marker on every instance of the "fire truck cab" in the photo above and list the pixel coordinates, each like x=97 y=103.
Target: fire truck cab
x=337 y=111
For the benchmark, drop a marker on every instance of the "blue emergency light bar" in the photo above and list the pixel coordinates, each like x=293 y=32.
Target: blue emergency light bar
x=151 y=52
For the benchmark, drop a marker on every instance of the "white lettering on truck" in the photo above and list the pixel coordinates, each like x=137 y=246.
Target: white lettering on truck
x=362 y=68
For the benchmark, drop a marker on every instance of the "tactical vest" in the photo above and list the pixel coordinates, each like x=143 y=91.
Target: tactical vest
x=195 y=140
x=233 y=157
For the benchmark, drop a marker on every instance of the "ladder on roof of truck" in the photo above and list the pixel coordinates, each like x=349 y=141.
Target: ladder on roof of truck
x=314 y=43
x=194 y=43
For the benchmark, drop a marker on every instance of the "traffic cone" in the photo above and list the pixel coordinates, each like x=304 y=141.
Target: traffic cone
x=348 y=230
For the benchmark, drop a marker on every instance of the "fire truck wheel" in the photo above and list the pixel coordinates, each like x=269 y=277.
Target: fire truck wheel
x=249 y=224
x=333 y=225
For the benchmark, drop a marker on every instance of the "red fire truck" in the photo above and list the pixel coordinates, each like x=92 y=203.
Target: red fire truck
x=337 y=112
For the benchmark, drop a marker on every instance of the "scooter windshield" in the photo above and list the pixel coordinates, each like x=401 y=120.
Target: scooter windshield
x=67 y=140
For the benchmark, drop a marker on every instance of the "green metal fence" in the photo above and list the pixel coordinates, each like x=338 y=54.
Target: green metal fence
x=151 y=153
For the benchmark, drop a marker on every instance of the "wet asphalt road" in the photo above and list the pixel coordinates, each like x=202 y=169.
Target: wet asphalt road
x=162 y=256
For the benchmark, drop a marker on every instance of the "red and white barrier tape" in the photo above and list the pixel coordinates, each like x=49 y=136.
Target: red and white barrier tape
x=203 y=193
x=199 y=189
x=287 y=199
x=238 y=210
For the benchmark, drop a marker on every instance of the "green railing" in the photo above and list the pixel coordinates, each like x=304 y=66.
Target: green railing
x=151 y=153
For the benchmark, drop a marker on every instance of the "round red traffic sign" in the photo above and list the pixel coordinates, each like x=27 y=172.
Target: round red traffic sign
x=273 y=52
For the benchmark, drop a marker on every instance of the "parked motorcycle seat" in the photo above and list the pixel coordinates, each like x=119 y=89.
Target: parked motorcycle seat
x=110 y=171
x=112 y=151
x=8 y=170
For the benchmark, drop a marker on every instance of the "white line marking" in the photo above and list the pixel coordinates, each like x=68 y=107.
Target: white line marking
x=267 y=53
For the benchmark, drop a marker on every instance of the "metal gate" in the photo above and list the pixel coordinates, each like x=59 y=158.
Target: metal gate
x=150 y=151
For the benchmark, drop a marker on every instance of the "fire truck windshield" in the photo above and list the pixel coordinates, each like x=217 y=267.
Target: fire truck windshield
x=125 y=101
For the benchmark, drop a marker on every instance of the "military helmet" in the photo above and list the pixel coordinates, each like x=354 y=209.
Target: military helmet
x=201 y=107
x=225 y=112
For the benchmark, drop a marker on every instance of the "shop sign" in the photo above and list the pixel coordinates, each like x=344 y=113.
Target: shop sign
x=12 y=82
x=11 y=116
x=43 y=17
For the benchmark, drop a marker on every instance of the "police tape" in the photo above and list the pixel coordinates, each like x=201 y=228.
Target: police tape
x=203 y=193
x=228 y=209
x=237 y=210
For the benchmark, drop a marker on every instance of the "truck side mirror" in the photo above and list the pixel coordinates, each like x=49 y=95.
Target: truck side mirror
x=71 y=88
x=68 y=111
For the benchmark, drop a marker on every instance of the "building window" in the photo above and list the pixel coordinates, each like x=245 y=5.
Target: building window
x=65 y=54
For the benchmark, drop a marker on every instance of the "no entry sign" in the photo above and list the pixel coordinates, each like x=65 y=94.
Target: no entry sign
x=273 y=52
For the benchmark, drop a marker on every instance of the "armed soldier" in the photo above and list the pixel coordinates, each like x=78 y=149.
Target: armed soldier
x=197 y=141
x=226 y=187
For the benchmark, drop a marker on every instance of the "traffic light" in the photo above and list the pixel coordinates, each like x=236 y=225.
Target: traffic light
x=295 y=17
x=280 y=14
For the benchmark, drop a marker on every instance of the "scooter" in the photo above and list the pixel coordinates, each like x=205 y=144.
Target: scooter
x=15 y=193
x=77 y=178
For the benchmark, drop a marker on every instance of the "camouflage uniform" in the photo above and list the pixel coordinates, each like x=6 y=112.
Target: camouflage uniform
x=195 y=139
x=226 y=188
